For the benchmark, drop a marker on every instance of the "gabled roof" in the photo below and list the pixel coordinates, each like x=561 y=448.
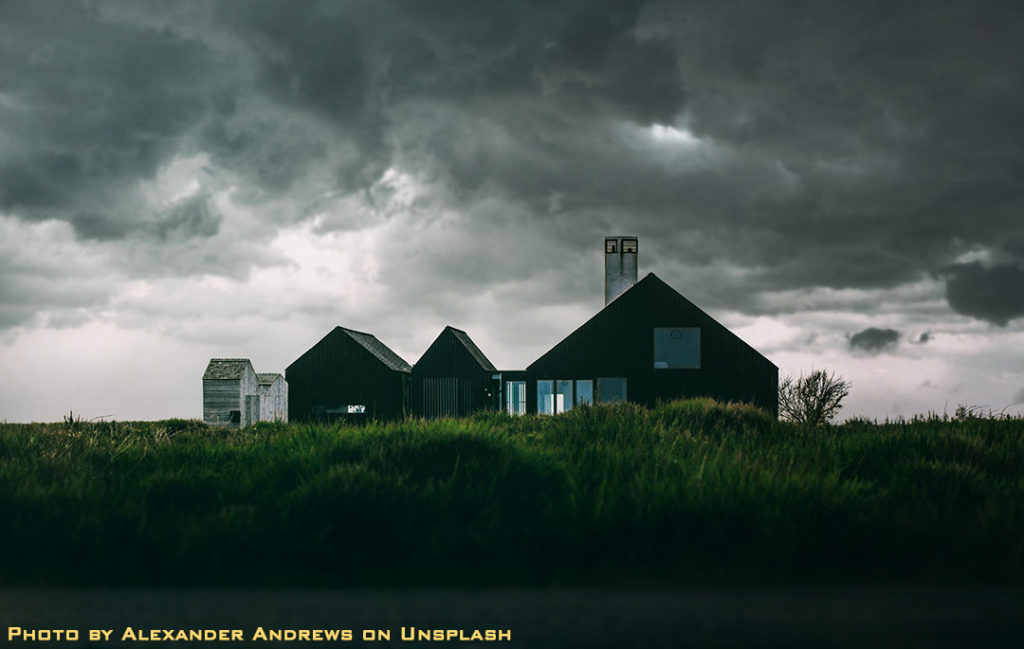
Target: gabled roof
x=471 y=347
x=378 y=349
x=226 y=368
x=268 y=378
x=650 y=289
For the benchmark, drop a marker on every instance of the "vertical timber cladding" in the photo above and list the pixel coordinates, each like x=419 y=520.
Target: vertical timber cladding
x=273 y=397
x=619 y=342
x=251 y=411
x=347 y=375
x=453 y=378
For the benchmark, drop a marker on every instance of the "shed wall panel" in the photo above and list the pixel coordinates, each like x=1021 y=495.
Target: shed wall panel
x=220 y=397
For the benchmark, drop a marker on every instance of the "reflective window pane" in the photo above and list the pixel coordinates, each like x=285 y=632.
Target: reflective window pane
x=545 y=397
x=563 y=396
x=611 y=390
x=584 y=393
x=515 y=397
x=676 y=348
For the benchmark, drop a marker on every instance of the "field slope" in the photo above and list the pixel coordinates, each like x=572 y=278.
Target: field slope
x=688 y=493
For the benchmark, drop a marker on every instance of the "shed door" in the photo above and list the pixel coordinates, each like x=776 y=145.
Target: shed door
x=252 y=409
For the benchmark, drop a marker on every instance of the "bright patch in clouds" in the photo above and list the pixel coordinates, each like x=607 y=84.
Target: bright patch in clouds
x=673 y=135
x=179 y=179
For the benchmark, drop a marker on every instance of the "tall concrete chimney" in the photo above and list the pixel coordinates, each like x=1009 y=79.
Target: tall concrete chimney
x=619 y=266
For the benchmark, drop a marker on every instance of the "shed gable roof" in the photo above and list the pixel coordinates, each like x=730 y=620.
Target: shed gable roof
x=227 y=368
x=268 y=378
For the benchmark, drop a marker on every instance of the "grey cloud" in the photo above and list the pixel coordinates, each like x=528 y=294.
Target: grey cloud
x=192 y=217
x=54 y=281
x=994 y=294
x=835 y=144
x=924 y=337
x=104 y=108
x=874 y=340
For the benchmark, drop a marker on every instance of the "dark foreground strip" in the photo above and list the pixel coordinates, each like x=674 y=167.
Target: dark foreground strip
x=522 y=618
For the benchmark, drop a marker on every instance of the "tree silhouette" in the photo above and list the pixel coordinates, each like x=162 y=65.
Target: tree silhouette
x=813 y=399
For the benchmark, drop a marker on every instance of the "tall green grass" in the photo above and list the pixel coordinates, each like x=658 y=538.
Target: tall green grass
x=687 y=493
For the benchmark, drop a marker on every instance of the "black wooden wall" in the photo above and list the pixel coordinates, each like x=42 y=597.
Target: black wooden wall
x=338 y=371
x=619 y=342
x=452 y=378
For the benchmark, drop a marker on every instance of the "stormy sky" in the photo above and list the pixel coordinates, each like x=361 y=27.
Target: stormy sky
x=840 y=183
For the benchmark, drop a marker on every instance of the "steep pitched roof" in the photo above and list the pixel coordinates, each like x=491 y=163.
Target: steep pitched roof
x=378 y=349
x=226 y=368
x=471 y=347
x=650 y=289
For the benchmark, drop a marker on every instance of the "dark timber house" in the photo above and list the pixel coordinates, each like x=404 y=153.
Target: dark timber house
x=453 y=378
x=347 y=375
x=648 y=344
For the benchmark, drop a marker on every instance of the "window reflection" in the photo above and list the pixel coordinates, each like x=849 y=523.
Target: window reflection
x=515 y=397
x=584 y=393
x=563 y=396
x=545 y=397
x=676 y=348
x=611 y=390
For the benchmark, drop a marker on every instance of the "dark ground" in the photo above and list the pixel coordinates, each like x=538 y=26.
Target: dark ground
x=539 y=618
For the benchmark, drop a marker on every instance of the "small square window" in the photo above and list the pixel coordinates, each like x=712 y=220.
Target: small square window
x=611 y=246
x=611 y=390
x=629 y=245
x=676 y=348
x=236 y=416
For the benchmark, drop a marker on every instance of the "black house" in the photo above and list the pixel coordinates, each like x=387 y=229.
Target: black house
x=453 y=378
x=348 y=375
x=648 y=344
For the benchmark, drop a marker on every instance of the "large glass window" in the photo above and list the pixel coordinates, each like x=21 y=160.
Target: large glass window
x=611 y=390
x=545 y=397
x=584 y=393
x=563 y=396
x=676 y=348
x=515 y=397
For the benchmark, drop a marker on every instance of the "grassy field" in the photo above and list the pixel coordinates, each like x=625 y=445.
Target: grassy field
x=689 y=493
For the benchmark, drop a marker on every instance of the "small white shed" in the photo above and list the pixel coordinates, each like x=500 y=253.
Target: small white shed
x=273 y=391
x=230 y=393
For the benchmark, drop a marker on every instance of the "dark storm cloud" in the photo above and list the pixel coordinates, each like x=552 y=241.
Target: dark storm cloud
x=924 y=337
x=842 y=145
x=873 y=339
x=89 y=109
x=995 y=293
